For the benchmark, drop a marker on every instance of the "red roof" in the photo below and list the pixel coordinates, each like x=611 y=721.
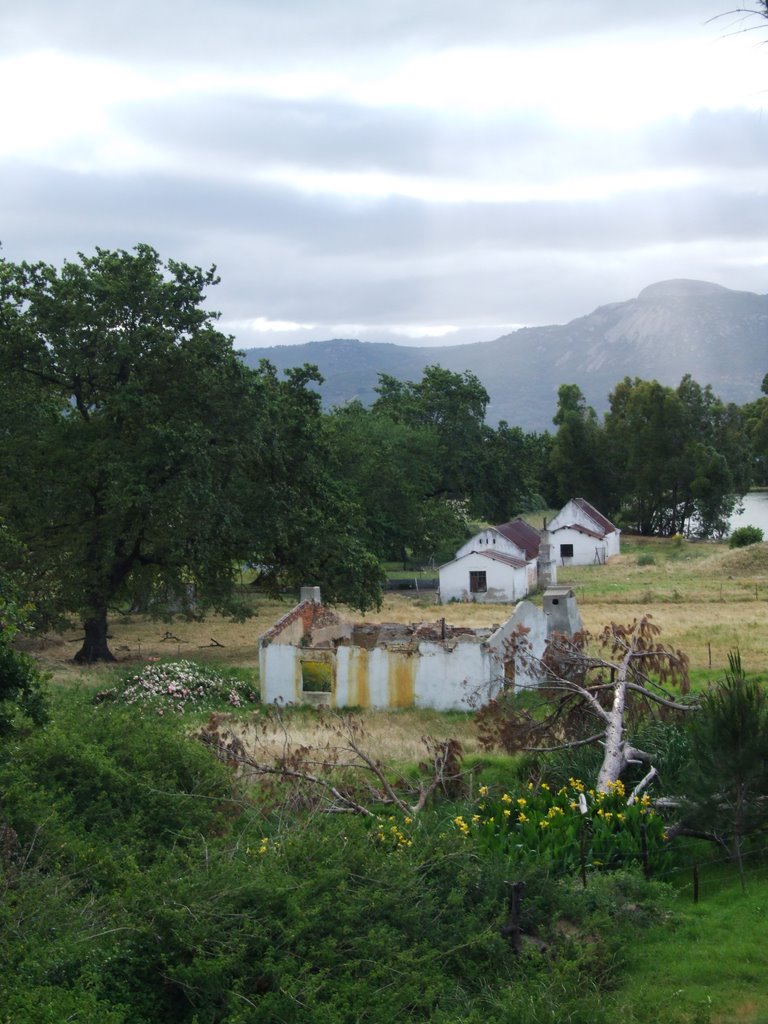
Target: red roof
x=516 y=563
x=605 y=524
x=581 y=529
x=526 y=537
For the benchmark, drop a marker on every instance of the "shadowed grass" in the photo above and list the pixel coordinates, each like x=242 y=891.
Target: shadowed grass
x=708 y=964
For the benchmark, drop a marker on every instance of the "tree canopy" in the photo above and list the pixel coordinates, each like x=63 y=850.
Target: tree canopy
x=143 y=460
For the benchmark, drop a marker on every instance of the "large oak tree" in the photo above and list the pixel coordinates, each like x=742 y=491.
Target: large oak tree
x=142 y=460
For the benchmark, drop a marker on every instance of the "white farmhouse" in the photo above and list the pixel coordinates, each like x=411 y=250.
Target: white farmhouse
x=583 y=536
x=498 y=565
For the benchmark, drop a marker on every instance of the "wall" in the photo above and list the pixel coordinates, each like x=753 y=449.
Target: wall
x=587 y=550
x=491 y=540
x=505 y=583
x=406 y=670
x=572 y=514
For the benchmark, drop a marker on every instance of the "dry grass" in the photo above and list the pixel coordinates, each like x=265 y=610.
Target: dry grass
x=394 y=737
x=707 y=599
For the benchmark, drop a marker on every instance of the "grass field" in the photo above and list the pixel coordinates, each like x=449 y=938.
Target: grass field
x=707 y=599
x=709 y=962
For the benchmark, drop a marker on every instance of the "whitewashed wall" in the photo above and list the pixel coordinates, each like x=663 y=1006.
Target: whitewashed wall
x=583 y=546
x=491 y=540
x=453 y=674
x=505 y=583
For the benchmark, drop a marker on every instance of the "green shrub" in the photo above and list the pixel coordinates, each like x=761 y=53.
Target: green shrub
x=646 y=558
x=567 y=829
x=745 y=535
x=137 y=890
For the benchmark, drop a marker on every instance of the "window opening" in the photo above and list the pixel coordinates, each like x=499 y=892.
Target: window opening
x=477 y=582
x=316 y=677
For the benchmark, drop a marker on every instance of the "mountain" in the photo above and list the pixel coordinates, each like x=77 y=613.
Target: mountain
x=718 y=336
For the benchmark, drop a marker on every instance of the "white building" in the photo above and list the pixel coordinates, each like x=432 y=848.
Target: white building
x=583 y=536
x=312 y=656
x=497 y=565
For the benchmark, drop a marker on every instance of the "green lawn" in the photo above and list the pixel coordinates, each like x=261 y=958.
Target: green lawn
x=709 y=963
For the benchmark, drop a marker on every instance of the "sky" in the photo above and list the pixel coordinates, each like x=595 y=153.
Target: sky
x=417 y=171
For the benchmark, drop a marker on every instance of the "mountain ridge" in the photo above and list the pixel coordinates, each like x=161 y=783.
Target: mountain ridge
x=717 y=335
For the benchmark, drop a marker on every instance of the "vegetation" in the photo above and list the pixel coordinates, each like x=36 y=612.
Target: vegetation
x=289 y=867
x=143 y=882
x=745 y=535
x=21 y=683
x=727 y=781
x=143 y=461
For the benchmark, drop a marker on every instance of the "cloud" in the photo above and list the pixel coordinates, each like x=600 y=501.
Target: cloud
x=390 y=168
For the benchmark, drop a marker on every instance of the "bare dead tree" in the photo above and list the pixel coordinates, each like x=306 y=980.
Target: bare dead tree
x=592 y=690
x=339 y=773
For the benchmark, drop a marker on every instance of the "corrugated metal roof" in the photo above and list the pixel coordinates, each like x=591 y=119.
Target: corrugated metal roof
x=580 y=528
x=599 y=518
x=525 y=536
x=516 y=563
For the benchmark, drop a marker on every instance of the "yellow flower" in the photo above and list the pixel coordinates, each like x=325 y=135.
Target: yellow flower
x=522 y=802
x=475 y=819
x=543 y=823
x=544 y=786
x=522 y=818
x=408 y=821
x=507 y=812
x=645 y=800
x=506 y=799
x=483 y=791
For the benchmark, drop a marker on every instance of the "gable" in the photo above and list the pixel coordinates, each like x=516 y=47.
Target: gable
x=604 y=524
x=579 y=514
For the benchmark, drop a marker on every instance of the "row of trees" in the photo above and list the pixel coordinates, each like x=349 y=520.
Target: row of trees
x=664 y=460
x=144 y=463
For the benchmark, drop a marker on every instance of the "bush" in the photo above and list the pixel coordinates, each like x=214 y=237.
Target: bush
x=568 y=829
x=178 y=686
x=136 y=890
x=746 y=535
x=646 y=559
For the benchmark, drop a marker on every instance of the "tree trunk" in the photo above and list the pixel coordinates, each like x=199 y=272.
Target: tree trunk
x=614 y=759
x=95 y=646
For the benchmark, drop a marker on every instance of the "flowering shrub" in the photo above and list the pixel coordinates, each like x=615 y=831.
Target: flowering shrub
x=179 y=686
x=393 y=835
x=567 y=829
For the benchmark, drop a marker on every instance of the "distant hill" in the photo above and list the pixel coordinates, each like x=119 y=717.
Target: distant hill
x=717 y=335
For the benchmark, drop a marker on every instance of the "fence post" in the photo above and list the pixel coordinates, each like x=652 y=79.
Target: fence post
x=644 y=851
x=582 y=858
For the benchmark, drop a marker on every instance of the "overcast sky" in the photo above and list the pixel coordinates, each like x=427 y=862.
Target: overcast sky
x=392 y=170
